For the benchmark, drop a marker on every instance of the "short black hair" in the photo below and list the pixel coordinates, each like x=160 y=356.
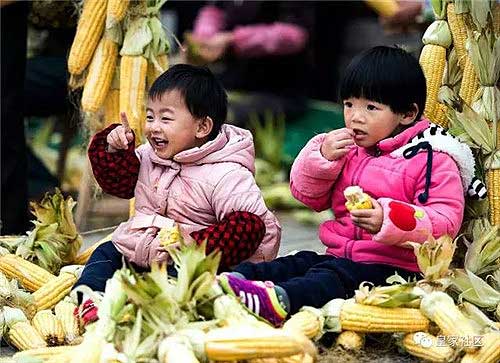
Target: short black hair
x=388 y=75
x=203 y=94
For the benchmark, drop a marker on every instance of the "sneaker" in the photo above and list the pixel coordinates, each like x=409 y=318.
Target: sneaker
x=259 y=297
x=86 y=313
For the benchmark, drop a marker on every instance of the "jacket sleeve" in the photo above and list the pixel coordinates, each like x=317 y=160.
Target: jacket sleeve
x=312 y=176
x=116 y=172
x=441 y=214
x=238 y=192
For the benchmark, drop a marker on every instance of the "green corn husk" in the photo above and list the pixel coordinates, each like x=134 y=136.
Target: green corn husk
x=483 y=254
x=474 y=289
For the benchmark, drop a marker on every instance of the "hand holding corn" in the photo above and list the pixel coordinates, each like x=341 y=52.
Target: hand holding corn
x=121 y=136
x=337 y=144
x=365 y=212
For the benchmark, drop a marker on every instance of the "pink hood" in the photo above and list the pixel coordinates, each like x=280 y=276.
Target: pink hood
x=196 y=189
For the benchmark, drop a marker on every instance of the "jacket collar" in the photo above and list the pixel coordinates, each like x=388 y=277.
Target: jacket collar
x=390 y=144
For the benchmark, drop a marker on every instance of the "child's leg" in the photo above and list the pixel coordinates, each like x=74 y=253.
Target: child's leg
x=101 y=266
x=281 y=269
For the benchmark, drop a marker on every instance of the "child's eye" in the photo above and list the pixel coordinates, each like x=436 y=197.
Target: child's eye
x=149 y=118
x=348 y=104
x=166 y=119
x=371 y=107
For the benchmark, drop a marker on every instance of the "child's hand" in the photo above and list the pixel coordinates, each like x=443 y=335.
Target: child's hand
x=369 y=219
x=121 y=136
x=337 y=144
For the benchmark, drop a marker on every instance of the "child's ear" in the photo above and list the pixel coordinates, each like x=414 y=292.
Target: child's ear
x=409 y=117
x=205 y=126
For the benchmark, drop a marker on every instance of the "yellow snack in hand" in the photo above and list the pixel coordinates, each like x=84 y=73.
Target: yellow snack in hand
x=356 y=199
x=169 y=235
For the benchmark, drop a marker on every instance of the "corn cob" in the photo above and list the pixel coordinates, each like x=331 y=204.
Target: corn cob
x=371 y=319
x=49 y=327
x=489 y=351
x=470 y=83
x=24 y=336
x=385 y=8
x=112 y=107
x=493 y=181
x=88 y=33
x=65 y=313
x=54 y=291
x=356 y=199
x=84 y=256
x=169 y=235
x=154 y=72
x=425 y=346
x=133 y=70
x=46 y=354
x=458 y=28
x=131 y=207
x=351 y=340
x=440 y=308
x=100 y=75
x=432 y=60
x=115 y=12
x=245 y=342
x=31 y=276
x=305 y=322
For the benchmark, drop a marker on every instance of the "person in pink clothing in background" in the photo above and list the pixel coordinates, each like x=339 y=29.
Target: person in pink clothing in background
x=260 y=51
x=415 y=173
x=194 y=170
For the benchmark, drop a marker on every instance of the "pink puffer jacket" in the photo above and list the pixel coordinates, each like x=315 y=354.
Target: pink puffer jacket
x=397 y=182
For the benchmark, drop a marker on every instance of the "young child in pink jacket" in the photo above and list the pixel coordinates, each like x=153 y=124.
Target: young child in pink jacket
x=415 y=173
x=194 y=170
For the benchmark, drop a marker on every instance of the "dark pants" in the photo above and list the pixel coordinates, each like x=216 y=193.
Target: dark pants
x=313 y=280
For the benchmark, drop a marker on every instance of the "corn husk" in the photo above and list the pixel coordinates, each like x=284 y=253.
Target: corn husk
x=483 y=254
x=484 y=324
x=8 y=317
x=474 y=289
x=13 y=296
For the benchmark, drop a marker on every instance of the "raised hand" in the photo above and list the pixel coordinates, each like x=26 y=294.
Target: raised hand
x=121 y=136
x=337 y=144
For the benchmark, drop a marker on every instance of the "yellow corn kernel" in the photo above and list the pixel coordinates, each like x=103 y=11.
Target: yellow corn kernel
x=385 y=8
x=115 y=12
x=112 y=107
x=493 y=182
x=49 y=327
x=133 y=70
x=356 y=199
x=54 y=291
x=88 y=32
x=246 y=342
x=24 y=336
x=154 y=71
x=29 y=275
x=458 y=28
x=373 y=319
x=131 y=207
x=305 y=322
x=64 y=312
x=432 y=61
x=100 y=75
x=84 y=256
x=489 y=351
x=424 y=345
x=169 y=235
x=440 y=115
x=351 y=340
x=46 y=354
x=470 y=83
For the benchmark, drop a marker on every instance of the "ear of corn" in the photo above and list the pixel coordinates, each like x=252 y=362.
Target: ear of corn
x=306 y=322
x=385 y=8
x=100 y=75
x=458 y=30
x=65 y=313
x=432 y=60
x=29 y=275
x=489 y=351
x=356 y=199
x=371 y=319
x=133 y=70
x=154 y=71
x=83 y=257
x=88 y=33
x=493 y=181
x=54 y=291
x=351 y=340
x=470 y=82
x=440 y=308
x=46 y=354
x=24 y=336
x=49 y=327
x=244 y=342
x=112 y=107
x=115 y=12
x=427 y=347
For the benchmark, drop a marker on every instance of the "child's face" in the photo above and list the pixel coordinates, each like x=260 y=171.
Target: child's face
x=170 y=127
x=371 y=121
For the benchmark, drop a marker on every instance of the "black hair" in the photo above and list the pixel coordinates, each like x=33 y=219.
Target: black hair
x=388 y=75
x=203 y=94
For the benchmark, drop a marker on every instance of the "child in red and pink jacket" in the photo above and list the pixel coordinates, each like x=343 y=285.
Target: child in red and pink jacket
x=415 y=173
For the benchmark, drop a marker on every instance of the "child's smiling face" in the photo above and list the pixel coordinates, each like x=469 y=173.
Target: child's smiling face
x=372 y=121
x=170 y=127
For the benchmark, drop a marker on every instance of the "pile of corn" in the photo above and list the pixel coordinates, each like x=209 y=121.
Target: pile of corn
x=460 y=63
x=118 y=49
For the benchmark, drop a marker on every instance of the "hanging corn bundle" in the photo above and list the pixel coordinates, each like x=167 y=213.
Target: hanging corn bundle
x=436 y=39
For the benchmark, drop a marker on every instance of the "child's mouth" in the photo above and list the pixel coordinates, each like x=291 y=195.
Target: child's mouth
x=358 y=134
x=159 y=143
